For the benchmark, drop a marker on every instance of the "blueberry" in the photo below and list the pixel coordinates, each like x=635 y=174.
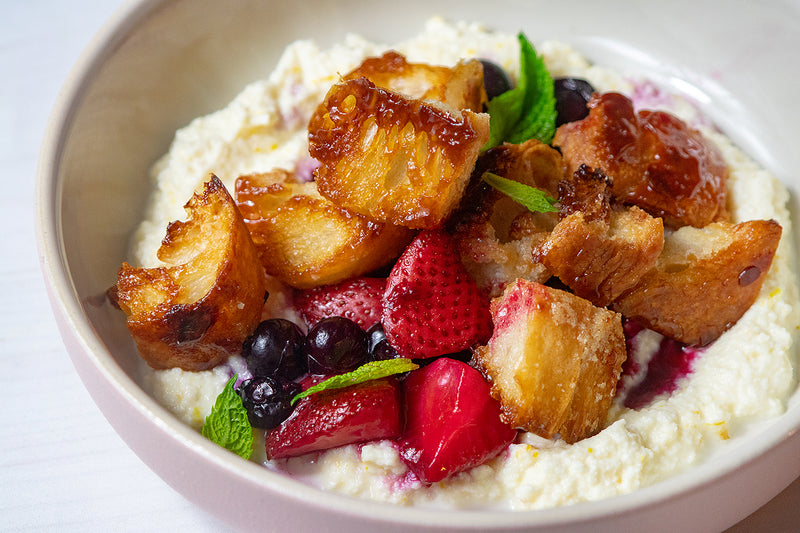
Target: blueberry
x=379 y=347
x=495 y=79
x=275 y=349
x=572 y=95
x=336 y=345
x=267 y=401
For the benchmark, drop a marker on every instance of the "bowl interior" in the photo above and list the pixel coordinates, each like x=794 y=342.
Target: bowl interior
x=158 y=65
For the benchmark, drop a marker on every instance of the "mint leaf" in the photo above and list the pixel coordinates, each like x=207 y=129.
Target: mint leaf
x=531 y=197
x=366 y=372
x=527 y=111
x=227 y=423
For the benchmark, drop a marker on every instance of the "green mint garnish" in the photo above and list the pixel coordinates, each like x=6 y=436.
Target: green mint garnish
x=531 y=197
x=366 y=372
x=227 y=424
x=527 y=111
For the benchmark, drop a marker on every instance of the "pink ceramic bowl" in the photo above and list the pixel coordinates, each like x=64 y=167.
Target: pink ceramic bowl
x=158 y=64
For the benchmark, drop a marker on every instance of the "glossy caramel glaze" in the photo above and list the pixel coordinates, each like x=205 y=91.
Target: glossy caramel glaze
x=655 y=160
x=392 y=158
x=460 y=87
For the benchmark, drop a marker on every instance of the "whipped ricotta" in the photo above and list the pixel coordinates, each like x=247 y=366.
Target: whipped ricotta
x=746 y=375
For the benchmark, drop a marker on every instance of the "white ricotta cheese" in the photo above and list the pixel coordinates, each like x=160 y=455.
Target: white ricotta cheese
x=747 y=374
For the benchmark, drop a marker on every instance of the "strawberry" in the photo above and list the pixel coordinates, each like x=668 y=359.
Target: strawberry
x=359 y=413
x=452 y=423
x=358 y=299
x=432 y=306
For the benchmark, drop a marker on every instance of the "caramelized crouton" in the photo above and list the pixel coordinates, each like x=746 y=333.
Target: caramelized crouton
x=656 y=161
x=598 y=251
x=495 y=235
x=704 y=280
x=457 y=88
x=554 y=360
x=397 y=160
x=532 y=162
x=496 y=242
x=197 y=310
x=305 y=240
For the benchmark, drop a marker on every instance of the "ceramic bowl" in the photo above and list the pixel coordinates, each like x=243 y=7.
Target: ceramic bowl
x=158 y=64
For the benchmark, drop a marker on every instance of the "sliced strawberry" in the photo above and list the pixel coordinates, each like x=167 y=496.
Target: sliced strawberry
x=360 y=413
x=432 y=306
x=358 y=299
x=452 y=423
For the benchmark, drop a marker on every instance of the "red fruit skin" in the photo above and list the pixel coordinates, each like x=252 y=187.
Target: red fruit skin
x=359 y=413
x=452 y=423
x=358 y=299
x=432 y=306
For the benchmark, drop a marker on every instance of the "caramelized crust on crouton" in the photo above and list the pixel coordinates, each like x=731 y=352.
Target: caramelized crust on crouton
x=554 y=360
x=532 y=162
x=305 y=240
x=495 y=235
x=496 y=243
x=588 y=192
x=656 y=161
x=394 y=159
x=598 y=251
x=460 y=87
x=197 y=310
x=704 y=280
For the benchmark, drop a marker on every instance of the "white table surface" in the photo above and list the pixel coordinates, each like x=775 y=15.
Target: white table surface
x=62 y=467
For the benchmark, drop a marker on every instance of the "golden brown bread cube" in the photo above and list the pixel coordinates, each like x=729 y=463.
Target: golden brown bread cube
x=704 y=280
x=394 y=159
x=496 y=242
x=656 y=161
x=531 y=162
x=305 y=240
x=197 y=310
x=459 y=87
x=554 y=360
x=495 y=235
x=597 y=250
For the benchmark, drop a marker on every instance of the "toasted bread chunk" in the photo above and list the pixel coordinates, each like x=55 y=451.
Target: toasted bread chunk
x=597 y=250
x=496 y=242
x=394 y=159
x=704 y=280
x=533 y=163
x=197 y=310
x=457 y=88
x=305 y=240
x=656 y=161
x=554 y=360
x=495 y=235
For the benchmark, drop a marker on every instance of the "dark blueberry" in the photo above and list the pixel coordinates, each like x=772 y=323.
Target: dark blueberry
x=336 y=345
x=267 y=400
x=379 y=348
x=495 y=79
x=275 y=349
x=572 y=95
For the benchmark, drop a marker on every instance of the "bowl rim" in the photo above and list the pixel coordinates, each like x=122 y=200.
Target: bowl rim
x=66 y=304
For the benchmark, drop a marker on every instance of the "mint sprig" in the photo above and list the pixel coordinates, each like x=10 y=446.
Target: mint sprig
x=227 y=423
x=366 y=372
x=532 y=198
x=527 y=111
